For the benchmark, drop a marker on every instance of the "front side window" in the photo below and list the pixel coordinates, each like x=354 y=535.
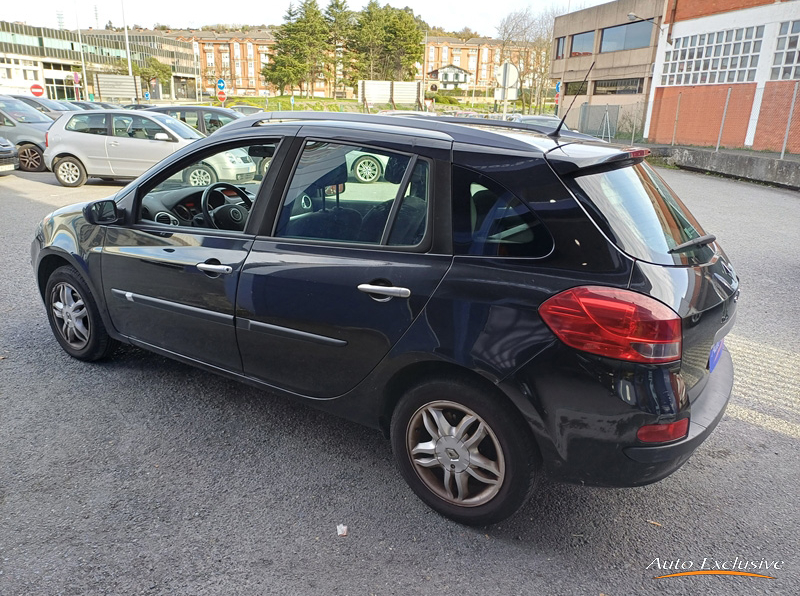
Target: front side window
x=94 y=124
x=356 y=194
x=214 y=191
x=488 y=220
x=136 y=127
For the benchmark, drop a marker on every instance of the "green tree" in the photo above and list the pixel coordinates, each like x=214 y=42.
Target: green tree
x=386 y=43
x=339 y=20
x=300 y=46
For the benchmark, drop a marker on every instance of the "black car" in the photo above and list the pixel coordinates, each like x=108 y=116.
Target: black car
x=503 y=304
x=206 y=119
x=9 y=157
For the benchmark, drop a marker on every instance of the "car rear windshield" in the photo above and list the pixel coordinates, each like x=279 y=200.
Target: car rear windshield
x=22 y=112
x=642 y=215
x=179 y=128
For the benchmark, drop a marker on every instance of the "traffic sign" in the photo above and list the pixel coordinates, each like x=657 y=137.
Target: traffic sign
x=506 y=75
x=37 y=90
x=558 y=86
x=221 y=96
x=147 y=96
x=558 y=95
x=221 y=84
x=292 y=99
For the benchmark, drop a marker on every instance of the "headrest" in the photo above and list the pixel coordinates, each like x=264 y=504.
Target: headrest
x=337 y=175
x=395 y=168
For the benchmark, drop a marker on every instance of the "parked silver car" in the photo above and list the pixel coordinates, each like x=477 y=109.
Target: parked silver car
x=111 y=144
x=50 y=107
x=9 y=158
x=26 y=128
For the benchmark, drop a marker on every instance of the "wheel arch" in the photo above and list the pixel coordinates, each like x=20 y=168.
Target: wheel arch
x=414 y=374
x=40 y=146
x=52 y=261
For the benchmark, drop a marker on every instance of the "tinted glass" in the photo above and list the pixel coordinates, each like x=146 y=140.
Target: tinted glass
x=490 y=221
x=643 y=215
x=22 y=112
x=216 y=120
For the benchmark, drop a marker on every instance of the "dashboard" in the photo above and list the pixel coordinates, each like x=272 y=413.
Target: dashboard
x=182 y=207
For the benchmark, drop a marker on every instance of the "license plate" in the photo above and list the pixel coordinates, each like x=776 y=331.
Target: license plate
x=716 y=352
x=7 y=167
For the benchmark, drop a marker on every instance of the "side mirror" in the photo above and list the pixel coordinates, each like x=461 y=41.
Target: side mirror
x=162 y=136
x=102 y=212
x=330 y=191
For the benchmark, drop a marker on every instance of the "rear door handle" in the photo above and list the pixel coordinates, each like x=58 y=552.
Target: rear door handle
x=211 y=268
x=389 y=291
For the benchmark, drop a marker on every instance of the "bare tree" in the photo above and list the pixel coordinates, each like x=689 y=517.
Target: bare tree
x=526 y=40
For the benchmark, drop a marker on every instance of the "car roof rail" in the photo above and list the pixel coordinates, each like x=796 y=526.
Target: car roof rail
x=477 y=133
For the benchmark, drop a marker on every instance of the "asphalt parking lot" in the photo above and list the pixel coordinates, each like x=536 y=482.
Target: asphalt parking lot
x=140 y=475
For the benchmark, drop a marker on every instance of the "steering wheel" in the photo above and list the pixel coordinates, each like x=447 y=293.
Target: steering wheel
x=226 y=216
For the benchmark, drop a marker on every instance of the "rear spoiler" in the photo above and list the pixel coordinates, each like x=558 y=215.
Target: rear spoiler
x=578 y=160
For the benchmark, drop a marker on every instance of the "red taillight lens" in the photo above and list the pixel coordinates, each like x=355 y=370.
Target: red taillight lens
x=614 y=323
x=661 y=433
x=47 y=139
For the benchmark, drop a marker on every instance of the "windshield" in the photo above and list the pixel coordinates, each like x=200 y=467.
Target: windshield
x=179 y=128
x=642 y=215
x=22 y=112
x=544 y=122
x=65 y=105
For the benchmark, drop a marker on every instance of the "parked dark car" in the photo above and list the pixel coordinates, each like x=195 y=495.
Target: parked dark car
x=503 y=304
x=138 y=106
x=206 y=119
x=9 y=157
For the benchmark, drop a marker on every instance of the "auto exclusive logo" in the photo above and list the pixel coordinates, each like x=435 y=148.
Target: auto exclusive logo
x=737 y=566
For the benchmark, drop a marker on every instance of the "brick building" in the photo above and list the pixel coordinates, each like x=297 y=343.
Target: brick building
x=725 y=72
x=237 y=57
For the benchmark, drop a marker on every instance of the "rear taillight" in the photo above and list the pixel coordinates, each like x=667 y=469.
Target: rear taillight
x=662 y=433
x=47 y=139
x=614 y=323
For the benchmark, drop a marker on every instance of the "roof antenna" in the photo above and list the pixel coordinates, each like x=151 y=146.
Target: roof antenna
x=555 y=133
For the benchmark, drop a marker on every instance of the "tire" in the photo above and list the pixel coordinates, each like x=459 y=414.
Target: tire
x=367 y=169
x=199 y=175
x=471 y=492
x=74 y=316
x=31 y=158
x=70 y=172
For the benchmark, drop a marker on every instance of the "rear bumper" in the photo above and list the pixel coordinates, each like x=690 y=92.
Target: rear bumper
x=707 y=410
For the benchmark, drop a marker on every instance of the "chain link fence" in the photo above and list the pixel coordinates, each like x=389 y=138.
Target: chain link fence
x=734 y=117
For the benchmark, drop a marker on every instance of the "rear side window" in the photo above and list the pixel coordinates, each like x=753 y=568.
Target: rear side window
x=642 y=215
x=93 y=124
x=490 y=221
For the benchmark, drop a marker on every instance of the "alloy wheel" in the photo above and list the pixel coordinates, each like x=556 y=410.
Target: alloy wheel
x=367 y=169
x=455 y=453
x=69 y=172
x=199 y=177
x=29 y=159
x=71 y=315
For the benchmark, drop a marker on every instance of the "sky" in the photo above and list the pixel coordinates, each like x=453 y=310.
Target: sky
x=482 y=16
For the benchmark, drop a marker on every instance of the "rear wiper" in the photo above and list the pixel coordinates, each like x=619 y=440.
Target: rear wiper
x=694 y=242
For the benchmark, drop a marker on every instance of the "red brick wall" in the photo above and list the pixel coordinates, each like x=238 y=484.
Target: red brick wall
x=773 y=117
x=700 y=114
x=692 y=9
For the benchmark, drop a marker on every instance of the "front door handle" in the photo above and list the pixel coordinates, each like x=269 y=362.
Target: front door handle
x=389 y=291
x=217 y=269
x=113 y=143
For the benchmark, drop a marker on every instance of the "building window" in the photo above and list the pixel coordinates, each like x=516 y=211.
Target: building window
x=786 y=62
x=582 y=44
x=485 y=55
x=237 y=51
x=456 y=60
x=575 y=88
x=626 y=37
x=729 y=56
x=210 y=58
x=249 y=51
x=444 y=53
x=618 y=87
x=560 y=48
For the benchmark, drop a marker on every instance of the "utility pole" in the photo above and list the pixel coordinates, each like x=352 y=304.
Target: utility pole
x=128 y=52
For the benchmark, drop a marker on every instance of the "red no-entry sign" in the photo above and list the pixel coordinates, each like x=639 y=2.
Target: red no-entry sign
x=37 y=90
x=221 y=95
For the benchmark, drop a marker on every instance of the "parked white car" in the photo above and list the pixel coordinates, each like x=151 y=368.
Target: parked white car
x=123 y=144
